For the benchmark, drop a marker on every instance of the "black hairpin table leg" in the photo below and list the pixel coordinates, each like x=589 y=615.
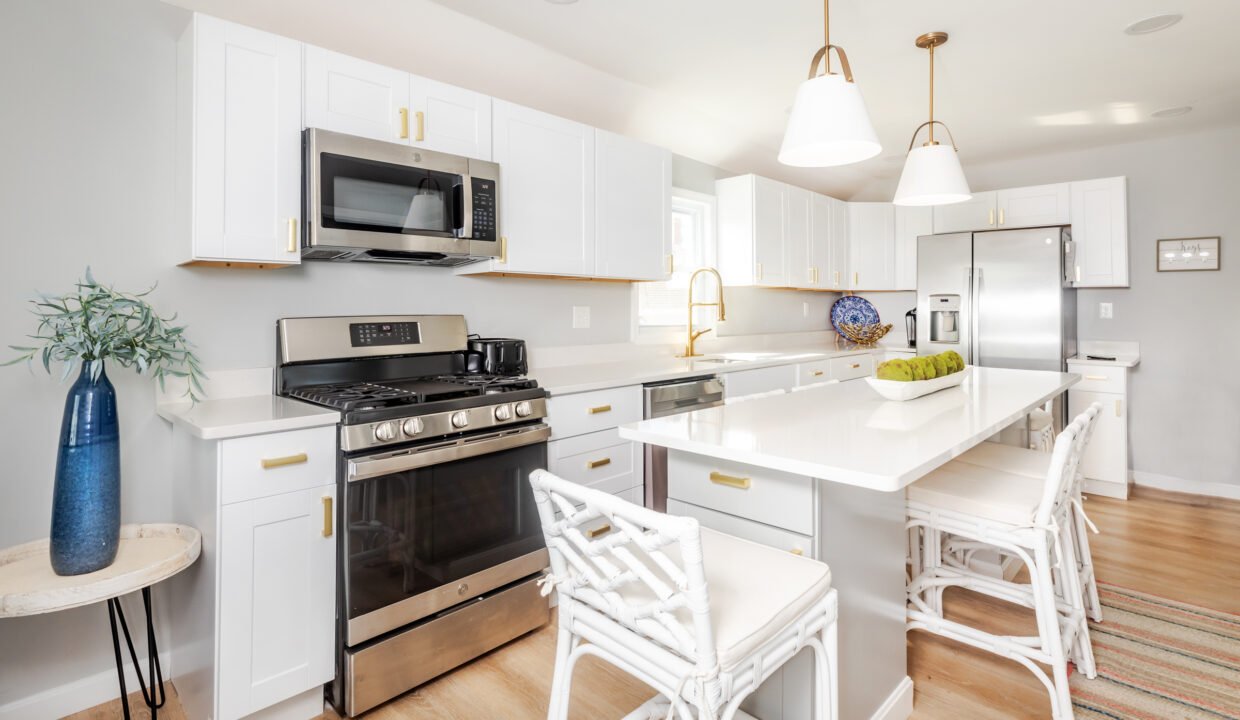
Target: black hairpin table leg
x=155 y=697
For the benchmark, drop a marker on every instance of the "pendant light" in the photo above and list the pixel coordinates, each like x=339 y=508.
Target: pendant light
x=932 y=173
x=829 y=124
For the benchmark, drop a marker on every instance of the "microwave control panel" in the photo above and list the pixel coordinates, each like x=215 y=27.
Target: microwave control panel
x=484 y=210
x=378 y=334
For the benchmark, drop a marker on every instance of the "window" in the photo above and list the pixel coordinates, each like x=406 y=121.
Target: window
x=661 y=305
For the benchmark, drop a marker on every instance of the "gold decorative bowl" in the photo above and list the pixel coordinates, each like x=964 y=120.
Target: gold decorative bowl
x=864 y=335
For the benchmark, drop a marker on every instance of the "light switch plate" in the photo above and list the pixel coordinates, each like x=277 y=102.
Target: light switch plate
x=1105 y=311
x=581 y=317
x=804 y=309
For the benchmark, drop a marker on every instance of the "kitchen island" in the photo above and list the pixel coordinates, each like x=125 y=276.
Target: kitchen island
x=822 y=472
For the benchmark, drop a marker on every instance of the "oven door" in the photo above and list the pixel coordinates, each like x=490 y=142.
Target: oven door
x=433 y=526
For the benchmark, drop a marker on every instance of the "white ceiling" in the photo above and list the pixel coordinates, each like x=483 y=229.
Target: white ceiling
x=713 y=79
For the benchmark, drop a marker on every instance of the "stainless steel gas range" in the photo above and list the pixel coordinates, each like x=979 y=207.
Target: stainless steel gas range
x=443 y=544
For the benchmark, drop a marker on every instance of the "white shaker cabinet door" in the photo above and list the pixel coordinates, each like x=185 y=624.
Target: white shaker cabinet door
x=911 y=223
x=797 y=238
x=352 y=96
x=979 y=213
x=872 y=240
x=1106 y=457
x=449 y=119
x=769 y=232
x=633 y=223
x=277 y=599
x=241 y=109
x=546 y=191
x=1100 y=232
x=838 y=269
x=1035 y=206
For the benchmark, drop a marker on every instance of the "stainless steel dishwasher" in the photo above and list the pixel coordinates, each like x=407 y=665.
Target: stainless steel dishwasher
x=670 y=398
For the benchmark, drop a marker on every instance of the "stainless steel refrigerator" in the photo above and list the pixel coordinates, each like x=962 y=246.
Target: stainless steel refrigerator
x=1001 y=299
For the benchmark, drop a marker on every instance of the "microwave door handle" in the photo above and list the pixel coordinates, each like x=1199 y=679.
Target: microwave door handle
x=465 y=222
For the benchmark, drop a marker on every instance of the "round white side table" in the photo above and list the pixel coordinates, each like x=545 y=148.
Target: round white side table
x=146 y=555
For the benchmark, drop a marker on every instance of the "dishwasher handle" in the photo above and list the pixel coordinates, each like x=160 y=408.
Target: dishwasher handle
x=675 y=398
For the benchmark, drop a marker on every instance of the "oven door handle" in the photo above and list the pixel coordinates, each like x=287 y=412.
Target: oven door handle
x=389 y=463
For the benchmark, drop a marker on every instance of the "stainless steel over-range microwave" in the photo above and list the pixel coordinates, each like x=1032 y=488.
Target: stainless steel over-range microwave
x=367 y=200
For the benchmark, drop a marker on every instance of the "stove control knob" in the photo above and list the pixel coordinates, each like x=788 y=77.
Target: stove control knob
x=385 y=432
x=503 y=412
x=460 y=420
x=412 y=426
x=523 y=409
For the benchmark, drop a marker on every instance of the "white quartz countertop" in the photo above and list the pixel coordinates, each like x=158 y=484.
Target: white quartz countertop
x=847 y=433
x=245 y=415
x=1121 y=360
x=568 y=379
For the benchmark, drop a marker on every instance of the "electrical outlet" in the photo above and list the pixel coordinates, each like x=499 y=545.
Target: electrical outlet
x=581 y=317
x=804 y=309
x=1105 y=311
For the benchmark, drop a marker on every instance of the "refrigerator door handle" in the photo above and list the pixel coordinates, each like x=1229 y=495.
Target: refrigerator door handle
x=975 y=306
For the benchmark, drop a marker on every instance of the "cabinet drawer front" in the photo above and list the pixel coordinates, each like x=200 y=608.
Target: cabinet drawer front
x=600 y=460
x=745 y=529
x=852 y=367
x=582 y=413
x=1099 y=378
x=264 y=465
x=766 y=496
x=817 y=371
x=760 y=380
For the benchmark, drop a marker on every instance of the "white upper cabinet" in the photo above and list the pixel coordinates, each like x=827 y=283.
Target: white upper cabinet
x=239 y=132
x=911 y=223
x=1036 y=206
x=837 y=273
x=797 y=238
x=633 y=184
x=449 y=119
x=979 y=213
x=1100 y=232
x=751 y=215
x=547 y=198
x=352 y=96
x=347 y=95
x=872 y=239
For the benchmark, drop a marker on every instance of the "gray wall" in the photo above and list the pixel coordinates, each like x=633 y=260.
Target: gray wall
x=1185 y=407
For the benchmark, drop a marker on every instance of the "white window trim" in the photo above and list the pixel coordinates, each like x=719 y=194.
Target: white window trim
x=663 y=335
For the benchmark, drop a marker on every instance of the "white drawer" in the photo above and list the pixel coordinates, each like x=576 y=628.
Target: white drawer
x=816 y=371
x=264 y=465
x=760 y=380
x=588 y=412
x=745 y=529
x=767 y=496
x=851 y=367
x=635 y=495
x=600 y=460
x=1100 y=378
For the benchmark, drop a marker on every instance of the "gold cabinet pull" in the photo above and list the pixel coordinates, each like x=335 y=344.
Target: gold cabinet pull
x=837 y=278
x=599 y=409
x=1078 y=273
x=292 y=234
x=600 y=530
x=854 y=366
x=598 y=463
x=1119 y=412
x=421 y=118
x=740 y=483
x=856 y=279
x=1000 y=216
x=299 y=458
x=503 y=250
x=327 y=516
x=816 y=373
x=404 y=123
x=990 y=220
x=797 y=551
x=1095 y=377
x=758 y=272
x=671 y=264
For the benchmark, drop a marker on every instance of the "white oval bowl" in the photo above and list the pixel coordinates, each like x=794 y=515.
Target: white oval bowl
x=901 y=391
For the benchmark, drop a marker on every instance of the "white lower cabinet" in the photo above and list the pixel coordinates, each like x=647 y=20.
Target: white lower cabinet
x=760 y=380
x=253 y=622
x=1105 y=463
x=585 y=446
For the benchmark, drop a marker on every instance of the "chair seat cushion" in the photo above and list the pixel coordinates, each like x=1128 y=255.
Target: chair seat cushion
x=980 y=492
x=1009 y=458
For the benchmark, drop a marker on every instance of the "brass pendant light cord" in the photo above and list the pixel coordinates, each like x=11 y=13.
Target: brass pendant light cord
x=931 y=94
x=826 y=30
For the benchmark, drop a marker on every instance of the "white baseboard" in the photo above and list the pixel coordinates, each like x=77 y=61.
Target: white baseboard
x=1106 y=488
x=78 y=695
x=1183 y=485
x=899 y=704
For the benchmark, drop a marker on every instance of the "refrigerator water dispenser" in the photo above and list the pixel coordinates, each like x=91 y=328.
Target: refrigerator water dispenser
x=945 y=319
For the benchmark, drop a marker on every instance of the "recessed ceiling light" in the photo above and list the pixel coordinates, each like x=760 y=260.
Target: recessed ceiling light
x=1172 y=111
x=1153 y=24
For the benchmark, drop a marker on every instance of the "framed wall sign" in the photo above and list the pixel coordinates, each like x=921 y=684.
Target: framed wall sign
x=1180 y=254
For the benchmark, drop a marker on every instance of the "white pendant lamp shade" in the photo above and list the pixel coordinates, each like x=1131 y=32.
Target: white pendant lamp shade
x=829 y=125
x=932 y=176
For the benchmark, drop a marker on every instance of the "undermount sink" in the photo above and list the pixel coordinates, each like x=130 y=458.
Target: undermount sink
x=717 y=361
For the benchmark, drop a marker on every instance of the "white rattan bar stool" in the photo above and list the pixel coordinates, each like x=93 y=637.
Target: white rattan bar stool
x=1022 y=518
x=702 y=617
x=1035 y=465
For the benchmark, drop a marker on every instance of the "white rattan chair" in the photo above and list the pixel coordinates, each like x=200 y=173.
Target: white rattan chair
x=702 y=617
x=1028 y=520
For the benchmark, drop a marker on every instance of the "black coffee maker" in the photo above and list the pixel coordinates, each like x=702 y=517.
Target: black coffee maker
x=910 y=326
x=496 y=356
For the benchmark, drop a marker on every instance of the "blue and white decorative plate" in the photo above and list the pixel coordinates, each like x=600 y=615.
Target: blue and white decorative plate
x=853 y=310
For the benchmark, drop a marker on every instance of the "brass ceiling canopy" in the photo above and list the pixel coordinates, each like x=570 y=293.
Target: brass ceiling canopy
x=931 y=40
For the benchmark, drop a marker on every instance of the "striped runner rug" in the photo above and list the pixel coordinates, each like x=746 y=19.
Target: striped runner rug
x=1160 y=660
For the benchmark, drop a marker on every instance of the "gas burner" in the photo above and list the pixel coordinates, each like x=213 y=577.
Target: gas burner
x=412 y=391
x=355 y=396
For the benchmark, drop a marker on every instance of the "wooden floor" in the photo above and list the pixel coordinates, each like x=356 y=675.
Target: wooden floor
x=1181 y=547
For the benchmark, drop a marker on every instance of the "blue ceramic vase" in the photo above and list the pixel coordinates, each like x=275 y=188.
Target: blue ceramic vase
x=86 y=502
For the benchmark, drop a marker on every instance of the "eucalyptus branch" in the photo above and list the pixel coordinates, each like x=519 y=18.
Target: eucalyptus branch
x=95 y=323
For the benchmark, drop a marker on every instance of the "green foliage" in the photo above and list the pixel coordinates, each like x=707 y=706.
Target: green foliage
x=96 y=323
